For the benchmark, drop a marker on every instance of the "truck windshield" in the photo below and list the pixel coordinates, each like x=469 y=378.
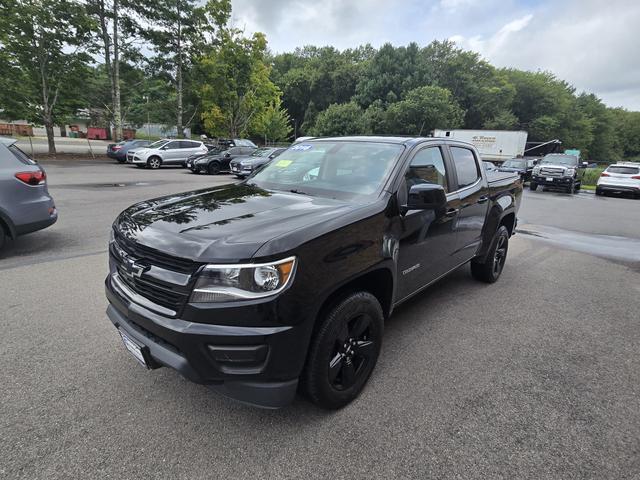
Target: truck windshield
x=515 y=164
x=335 y=169
x=560 y=160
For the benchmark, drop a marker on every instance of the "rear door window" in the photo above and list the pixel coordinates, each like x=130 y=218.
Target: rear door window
x=466 y=166
x=172 y=145
x=624 y=170
x=21 y=156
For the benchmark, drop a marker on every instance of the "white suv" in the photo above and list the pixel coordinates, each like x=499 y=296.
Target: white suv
x=165 y=152
x=622 y=177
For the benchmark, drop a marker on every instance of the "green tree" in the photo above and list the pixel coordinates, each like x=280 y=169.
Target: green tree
x=424 y=109
x=274 y=123
x=374 y=119
x=42 y=46
x=179 y=31
x=234 y=84
x=339 y=119
x=503 y=120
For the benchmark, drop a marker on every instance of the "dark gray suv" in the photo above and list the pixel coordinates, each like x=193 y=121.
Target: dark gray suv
x=25 y=203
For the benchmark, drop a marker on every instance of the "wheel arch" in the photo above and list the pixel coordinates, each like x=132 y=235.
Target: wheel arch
x=378 y=282
x=7 y=225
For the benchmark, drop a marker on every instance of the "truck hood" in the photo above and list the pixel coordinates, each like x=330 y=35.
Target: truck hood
x=228 y=223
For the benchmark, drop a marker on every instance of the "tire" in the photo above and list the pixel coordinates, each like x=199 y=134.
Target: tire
x=213 y=168
x=599 y=192
x=344 y=351
x=121 y=160
x=491 y=269
x=154 y=162
x=571 y=189
x=533 y=186
x=3 y=237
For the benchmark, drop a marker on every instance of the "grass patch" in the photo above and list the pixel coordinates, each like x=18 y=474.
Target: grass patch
x=591 y=177
x=588 y=187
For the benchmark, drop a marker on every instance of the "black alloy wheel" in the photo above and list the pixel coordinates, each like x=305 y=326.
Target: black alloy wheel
x=344 y=351
x=353 y=350
x=490 y=269
x=500 y=255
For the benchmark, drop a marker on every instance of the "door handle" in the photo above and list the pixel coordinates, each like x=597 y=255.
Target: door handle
x=483 y=199
x=452 y=212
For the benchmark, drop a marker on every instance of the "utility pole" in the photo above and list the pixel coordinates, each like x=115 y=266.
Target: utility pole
x=146 y=97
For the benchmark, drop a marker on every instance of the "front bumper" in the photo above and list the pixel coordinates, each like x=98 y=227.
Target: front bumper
x=552 y=181
x=256 y=365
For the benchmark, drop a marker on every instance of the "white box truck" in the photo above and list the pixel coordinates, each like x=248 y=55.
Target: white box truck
x=493 y=145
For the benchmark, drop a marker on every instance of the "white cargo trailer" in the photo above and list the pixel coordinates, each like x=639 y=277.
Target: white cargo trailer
x=493 y=145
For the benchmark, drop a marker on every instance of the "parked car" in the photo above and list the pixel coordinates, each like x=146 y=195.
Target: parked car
x=490 y=167
x=622 y=177
x=213 y=152
x=165 y=152
x=214 y=164
x=25 y=203
x=287 y=276
x=243 y=166
x=558 y=170
x=119 y=150
x=521 y=166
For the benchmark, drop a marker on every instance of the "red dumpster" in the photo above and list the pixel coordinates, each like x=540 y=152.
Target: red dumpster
x=96 y=133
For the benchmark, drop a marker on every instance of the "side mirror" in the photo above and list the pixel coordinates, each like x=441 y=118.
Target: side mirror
x=426 y=196
x=585 y=164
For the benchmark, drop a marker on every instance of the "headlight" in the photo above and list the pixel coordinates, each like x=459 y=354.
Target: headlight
x=569 y=172
x=227 y=283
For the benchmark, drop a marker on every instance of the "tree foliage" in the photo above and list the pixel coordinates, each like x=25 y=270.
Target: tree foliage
x=273 y=123
x=44 y=59
x=235 y=87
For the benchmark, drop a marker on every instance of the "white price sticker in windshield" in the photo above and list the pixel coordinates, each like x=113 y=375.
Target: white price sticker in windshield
x=303 y=147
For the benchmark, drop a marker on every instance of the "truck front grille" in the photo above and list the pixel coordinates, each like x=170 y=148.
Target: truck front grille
x=551 y=172
x=132 y=265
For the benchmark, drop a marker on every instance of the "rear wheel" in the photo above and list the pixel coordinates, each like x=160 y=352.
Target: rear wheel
x=599 y=192
x=154 y=162
x=121 y=160
x=3 y=236
x=489 y=271
x=533 y=185
x=214 y=168
x=344 y=351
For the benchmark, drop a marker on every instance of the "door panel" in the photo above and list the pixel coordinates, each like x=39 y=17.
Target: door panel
x=473 y=203
x=427 y=238
x=173 y=152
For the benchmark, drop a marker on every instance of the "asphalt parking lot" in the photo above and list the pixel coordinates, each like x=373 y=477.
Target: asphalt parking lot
x=537 y=376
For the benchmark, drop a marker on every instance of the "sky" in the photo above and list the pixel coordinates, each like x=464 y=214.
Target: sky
x=592 y=44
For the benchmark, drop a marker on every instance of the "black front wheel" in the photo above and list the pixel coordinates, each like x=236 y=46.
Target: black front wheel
x=490 y=269
x=214 y=168
x=344 y=351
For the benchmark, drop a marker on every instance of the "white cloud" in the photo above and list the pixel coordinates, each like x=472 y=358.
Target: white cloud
x=592 y=45
x=595 y=45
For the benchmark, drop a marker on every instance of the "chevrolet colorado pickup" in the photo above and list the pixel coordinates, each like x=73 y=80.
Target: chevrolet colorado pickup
x=284 y=281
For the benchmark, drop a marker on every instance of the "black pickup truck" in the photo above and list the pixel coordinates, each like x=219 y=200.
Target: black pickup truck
x=284 y=281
